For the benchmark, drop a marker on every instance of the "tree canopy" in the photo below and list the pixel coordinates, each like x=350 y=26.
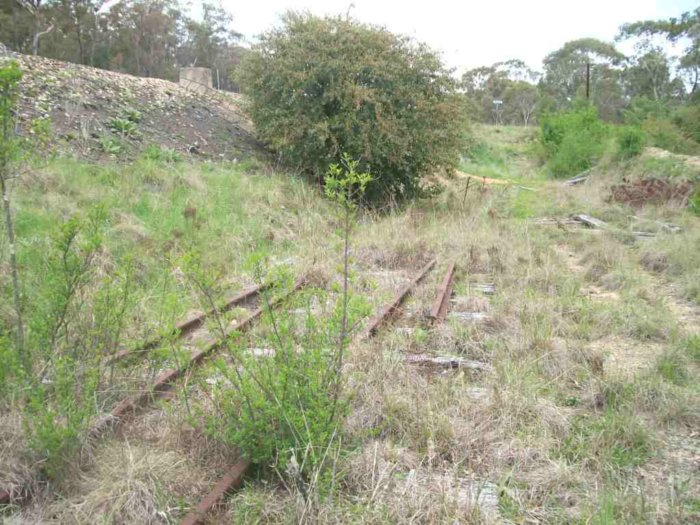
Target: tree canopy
x=674 y=29
x=152 y=38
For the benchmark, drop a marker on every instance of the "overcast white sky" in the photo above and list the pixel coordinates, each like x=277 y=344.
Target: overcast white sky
x=472 y=33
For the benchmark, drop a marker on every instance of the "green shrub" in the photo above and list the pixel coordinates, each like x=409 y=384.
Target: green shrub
x=643 y=108
x=687 y=118
x=573 y=141
x=665 y=135
x=160 y=154
x=75 y=318
x=630 y=142
x=322 y=86
x=111 y=146
x=284 y=407
x=123 y=126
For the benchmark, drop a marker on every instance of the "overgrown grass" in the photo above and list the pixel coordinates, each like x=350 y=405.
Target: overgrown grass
x=584 y=408
x=103 y=251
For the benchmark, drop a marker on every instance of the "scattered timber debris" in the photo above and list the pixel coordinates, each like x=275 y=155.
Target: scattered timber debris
x=468 y=317
x=484 y=288
x=578 y=179
x=446 y=362
x=669 y=227
x=556 y=221
x=590 y=222
x=663 y=227
x=641 y=236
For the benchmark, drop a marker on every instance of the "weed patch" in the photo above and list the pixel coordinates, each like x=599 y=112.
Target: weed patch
x=611 y=442
x=573 y=141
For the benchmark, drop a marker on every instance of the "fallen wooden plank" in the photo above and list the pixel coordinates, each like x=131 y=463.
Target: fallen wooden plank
x=438 y=312
x=642 y=236
x=670 y=227
x=555 y=221
x=484 y=288
x=469 y=317
x=489 y=181
x=578 y=179
x=446 y=362
x=589 y=221
x=483 y=180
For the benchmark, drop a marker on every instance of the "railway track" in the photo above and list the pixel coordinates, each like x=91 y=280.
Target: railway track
x=233 y=477
x=196 y=341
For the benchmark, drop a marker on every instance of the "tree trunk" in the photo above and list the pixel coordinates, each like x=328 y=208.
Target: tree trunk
x=37 y=36
x=13 y=264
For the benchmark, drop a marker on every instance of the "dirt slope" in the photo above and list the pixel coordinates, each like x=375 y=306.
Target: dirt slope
x=74 y=108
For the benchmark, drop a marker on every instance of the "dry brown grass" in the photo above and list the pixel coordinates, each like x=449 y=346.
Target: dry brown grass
x=15 y=471
x=132 y=484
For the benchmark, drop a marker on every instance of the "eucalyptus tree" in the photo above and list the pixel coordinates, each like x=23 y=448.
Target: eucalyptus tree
x=585 y=68
x=510 y=82
x=685 y=28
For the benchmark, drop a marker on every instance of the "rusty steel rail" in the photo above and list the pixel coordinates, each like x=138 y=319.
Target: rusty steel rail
x=164 y=381
x=385 y=312
x=438 y=312
x=190 y=323
x=231 y=481
x=234 y=477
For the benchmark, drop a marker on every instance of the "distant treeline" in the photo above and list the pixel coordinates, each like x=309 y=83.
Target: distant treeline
x=154 y=38
x=622 y=88
x=150 y=38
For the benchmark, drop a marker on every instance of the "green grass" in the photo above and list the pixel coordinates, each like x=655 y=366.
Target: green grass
x=158 y=211
x=569 y=436
x=611 y=442
x=673 y=367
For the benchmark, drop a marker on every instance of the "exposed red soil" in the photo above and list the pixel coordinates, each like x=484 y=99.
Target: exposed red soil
x=652 y=191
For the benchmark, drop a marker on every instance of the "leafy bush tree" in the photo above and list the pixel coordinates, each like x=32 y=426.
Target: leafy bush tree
x=630 y=142
x=321 y=86
x=687 y=118
x=643 y=108
x=284 y=407
x=676 y=130
x=10 y=75
x=573 y=141
x=664 y=134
